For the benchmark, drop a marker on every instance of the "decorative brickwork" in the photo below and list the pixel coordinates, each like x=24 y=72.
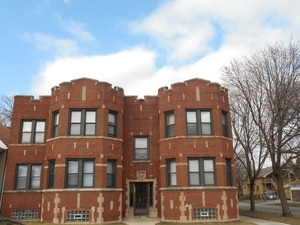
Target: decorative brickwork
x=107 y=156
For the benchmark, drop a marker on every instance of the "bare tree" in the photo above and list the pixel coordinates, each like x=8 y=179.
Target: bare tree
x=249 y=148
x=6 y=107
x=268 y=81
x=241 y=175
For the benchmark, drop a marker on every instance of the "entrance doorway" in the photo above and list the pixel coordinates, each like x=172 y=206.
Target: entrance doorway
x=141 y=197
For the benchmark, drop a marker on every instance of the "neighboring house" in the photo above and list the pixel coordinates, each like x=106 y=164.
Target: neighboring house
x=264 y=183
x=88 y=153
x=292 y=190
x=4 y=139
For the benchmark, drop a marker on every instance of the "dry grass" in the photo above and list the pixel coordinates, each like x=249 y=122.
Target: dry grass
x=272 y=217
x=295 y=220
x=46 y=223
x=161 y=223
x=42 y=223
x=291 y=204
x=261 y=215
x=208 y=223
x=277 y=202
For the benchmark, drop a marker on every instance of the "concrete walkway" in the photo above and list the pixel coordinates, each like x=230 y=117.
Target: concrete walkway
x=141 y=220
x=259 y=221
x=153 y=221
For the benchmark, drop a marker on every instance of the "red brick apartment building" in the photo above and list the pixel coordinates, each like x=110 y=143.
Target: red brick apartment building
x=88 y=153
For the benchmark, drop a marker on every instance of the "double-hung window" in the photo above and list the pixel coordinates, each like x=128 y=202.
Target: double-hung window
x=111 y=173
x=83 y=122
x=33 y=131
x=55 y=124
x=80 y=173
x=201 y=172
x=199 y=122
x=170 y=124
x=228 y=172
x=28 y=176
x=171 y=172
x=112 y=124
x=141 y=148
x=224 y=124
x=51 y=168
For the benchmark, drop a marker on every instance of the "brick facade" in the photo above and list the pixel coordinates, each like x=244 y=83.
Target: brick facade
x=130 y=175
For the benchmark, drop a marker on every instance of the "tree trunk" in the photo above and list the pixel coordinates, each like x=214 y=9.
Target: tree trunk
x=252 y=200
x=281 y=194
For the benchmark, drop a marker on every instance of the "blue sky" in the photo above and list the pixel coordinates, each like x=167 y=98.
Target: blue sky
x=139 y=45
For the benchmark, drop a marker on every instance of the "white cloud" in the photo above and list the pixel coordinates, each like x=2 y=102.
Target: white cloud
x=122 y=69
x=59 y=46
x=205 y=35
x=186 y=29
x=132 y=69
x=78 y=30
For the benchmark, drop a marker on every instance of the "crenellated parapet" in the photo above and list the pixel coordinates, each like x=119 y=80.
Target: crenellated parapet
x=86 y=91
x=193 y=93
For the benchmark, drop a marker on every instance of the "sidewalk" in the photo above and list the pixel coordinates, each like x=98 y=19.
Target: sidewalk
x=141 y=220
x=259 y=221
x=153 y=221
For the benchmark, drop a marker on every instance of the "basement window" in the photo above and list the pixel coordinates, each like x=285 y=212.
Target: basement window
x=78 y=216
x=204 y=214
x=25 y=214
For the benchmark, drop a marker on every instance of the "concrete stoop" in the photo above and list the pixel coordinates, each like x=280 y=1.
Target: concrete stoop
x=141 y=219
